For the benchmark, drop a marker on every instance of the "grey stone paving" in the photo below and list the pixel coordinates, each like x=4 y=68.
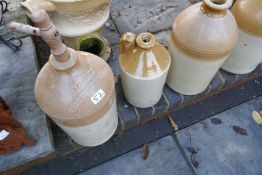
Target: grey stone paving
x=163 y=37
x=229 y=143
x=140 y=16
x=164 y=158
x=221 y=150
x=17 y=78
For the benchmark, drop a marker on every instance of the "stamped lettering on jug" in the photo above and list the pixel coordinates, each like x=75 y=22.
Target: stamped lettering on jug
x=3 y=134
x=86 y=88
x=98 y=96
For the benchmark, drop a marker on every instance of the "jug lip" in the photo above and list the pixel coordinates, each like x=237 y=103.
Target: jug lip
x=218 y=4
x=146 y=40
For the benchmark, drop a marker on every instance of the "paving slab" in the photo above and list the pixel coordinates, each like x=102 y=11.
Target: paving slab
x=229 y=143
x=140 y=16
x=110 y=32
x=164 y=158
x=17 y=76
x=163 y=37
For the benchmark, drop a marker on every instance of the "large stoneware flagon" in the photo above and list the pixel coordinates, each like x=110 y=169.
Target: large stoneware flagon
x=202 y=37
x=248 y=53
x=76 y=89
x=144 y=65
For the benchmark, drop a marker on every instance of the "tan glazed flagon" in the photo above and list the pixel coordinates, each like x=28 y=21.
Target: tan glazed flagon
x=76 y=89
x=144 y=66
x=202 y=37
x=247 y=54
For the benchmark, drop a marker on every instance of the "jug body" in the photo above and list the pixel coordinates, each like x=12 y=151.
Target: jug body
x=246 y=56
x=80 y=100
x=202 y=37
x=190 y=75
x=144 y=66
x=102 y=130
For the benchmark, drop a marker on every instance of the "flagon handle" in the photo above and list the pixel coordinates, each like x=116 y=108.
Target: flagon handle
x=127 y=41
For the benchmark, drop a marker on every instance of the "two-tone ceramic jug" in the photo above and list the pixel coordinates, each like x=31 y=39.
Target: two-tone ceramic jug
x=247 y=55
x=75 y=89
x=74 y=19
x=144 y=66
x=202 y=37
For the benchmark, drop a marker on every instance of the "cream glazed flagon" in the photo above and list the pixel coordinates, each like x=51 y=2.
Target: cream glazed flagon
x=144 y=66
x=247 y=54
x=202 y=37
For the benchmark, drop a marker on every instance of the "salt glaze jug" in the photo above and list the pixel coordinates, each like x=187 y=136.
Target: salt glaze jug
x=247 y=55
x=202 y=37
x=76 y=89
x=144 y=66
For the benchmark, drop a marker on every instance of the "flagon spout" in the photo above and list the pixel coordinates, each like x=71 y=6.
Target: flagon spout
x=23 y=28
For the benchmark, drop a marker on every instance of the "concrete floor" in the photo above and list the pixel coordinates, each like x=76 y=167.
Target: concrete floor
x=228 y=143
x=17 y=78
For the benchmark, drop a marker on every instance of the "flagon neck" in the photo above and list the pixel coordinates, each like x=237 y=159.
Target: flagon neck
x=62 y=58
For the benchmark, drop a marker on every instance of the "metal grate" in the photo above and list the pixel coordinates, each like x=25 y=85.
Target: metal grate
x=13 y=43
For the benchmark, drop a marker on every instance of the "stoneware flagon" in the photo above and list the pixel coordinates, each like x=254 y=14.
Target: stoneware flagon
x=144 y=66
x=247 y=54
x=76 y=89
x=202 y=37
x=76 y=20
